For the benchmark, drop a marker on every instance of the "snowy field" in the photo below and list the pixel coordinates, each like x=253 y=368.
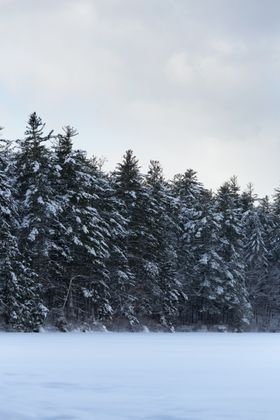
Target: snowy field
x=191 y=376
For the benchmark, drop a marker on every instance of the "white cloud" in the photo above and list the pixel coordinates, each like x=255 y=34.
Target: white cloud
x=189 y=83
x=179 y=68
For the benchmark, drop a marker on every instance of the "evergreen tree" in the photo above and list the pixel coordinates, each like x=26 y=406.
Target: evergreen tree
x=38 y=208
x=188 y=193
x=269 y=290
x=86 y=289
x=168 y=294
x=121 y=279
x=256 y=256
x=228 y=206
x=21 y=305
x=126 y=249
x=206 y=288
x=140 y=242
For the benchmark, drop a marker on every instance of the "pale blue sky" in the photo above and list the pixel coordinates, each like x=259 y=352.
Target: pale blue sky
x=192 y=83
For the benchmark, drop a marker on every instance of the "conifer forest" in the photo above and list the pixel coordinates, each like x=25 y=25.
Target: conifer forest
x=82 y=248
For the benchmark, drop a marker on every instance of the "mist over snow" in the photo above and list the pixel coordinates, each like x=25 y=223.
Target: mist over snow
x=140 y=376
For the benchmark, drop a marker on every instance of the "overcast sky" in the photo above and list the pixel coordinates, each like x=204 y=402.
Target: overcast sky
x=192 y=83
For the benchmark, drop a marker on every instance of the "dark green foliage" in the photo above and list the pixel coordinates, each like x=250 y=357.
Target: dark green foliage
x=167 y=289
x=21 y=303
x=83 y=240
x=125 y=249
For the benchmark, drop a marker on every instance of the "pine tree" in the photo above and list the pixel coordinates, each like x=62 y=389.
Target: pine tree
x=188 y=193
x=256 y=254
x=140 y=242
x=206 y=288
x=86 y=290
x=121 y=280
x=269 y=291
x=20 y=301
x=167 y=290
x=39 y=209
x=228 y=206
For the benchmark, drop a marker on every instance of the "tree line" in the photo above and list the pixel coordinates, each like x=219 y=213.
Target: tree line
x=80 y=246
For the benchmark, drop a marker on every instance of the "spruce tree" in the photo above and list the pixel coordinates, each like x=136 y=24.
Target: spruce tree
x=121 y=279
x=256 y=228
x=38 y=207
x=187 y=192
x=134 y=195
x=168 y=294
x=206 y=288
x=269 y=293
x=20 y=294
x=228 y=206
x=85 y=284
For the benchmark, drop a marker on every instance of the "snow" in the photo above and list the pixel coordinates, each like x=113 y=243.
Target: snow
x=108 y=376
x=85 y=229
x=32 y=235
x=219 y=290
x=36 y=166
x=204 y=259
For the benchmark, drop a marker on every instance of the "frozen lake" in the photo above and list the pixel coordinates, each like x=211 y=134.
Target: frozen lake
x=191 y=376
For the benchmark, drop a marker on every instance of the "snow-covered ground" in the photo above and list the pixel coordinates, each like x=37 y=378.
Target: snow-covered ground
x=191 y=376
